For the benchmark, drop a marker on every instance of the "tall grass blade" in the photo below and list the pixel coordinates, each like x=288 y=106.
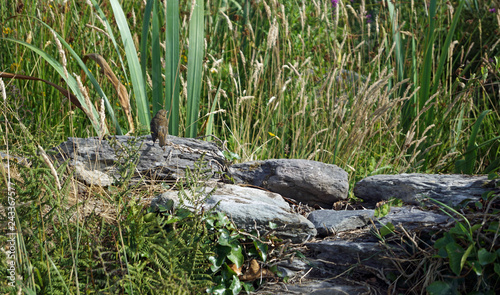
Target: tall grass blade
x=138 y=82
x=446 y=45
x=210 y=124
x=397 y=39
x=156 y=71
x=111 y=35
x=195 y=63
x=172 y=57
x=144 y=34
x=425 y=77
x=466 y=165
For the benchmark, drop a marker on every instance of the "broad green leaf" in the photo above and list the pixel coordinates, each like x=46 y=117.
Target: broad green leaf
x=497 y=268
x=224 y=238
x=236 y=255
x=387 y=229
x=486 y=257
x=262 y=249
x=455 y=254
x=235 y=286
x=441 y=288
x=477 y=267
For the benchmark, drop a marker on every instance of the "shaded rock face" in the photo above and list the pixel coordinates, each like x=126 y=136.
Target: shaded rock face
x=94 y=157
x=412 y=188
x=252 y=209
x=308 y=182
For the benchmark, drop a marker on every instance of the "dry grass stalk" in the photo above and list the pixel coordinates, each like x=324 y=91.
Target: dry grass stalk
x=88 y=105
x=61 y=53
x=51 y=166
x=119 y=87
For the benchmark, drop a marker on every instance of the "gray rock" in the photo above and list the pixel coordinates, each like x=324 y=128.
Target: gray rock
x=252 y=209
x=328 y=222
x=315 y=287
x=413 y=218
x=412 y=188
x=308 y=182
x=351 y=253
x=91 y=177
x=168 y=163
x=295 y=265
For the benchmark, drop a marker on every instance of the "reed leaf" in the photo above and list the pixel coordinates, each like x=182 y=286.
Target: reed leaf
x=425 y=75
x=210 y=123
x=172 y=57
x=195 y=63
x=138 y=82
x=446 y=45
x=158 y=100
x=466 y=165
x=144 y=40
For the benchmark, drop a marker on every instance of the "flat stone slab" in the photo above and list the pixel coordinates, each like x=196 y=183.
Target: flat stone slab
x=330 y=222
x=314 y=287
x=252 y=209
x=93 y=157
x=347 y=253
x=413 y=218
x=413 y=188
x=305 y=181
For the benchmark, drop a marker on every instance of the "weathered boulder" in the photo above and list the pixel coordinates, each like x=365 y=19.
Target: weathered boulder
x=92 y=157
x=251 y=209
x=308 y=182
x=413 y=188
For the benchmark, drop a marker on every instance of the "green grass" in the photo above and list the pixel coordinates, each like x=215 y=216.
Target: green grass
x=275 y=79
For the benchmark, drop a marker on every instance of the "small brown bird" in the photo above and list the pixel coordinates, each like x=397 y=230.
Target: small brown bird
x=159 y=127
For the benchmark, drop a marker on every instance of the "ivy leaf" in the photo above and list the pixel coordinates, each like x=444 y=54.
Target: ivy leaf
x=236 y=255
x=441 y=288
x=497 y=268
x=486 y=257
x=261 y=249
x=455 y=254
x=235 y=286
